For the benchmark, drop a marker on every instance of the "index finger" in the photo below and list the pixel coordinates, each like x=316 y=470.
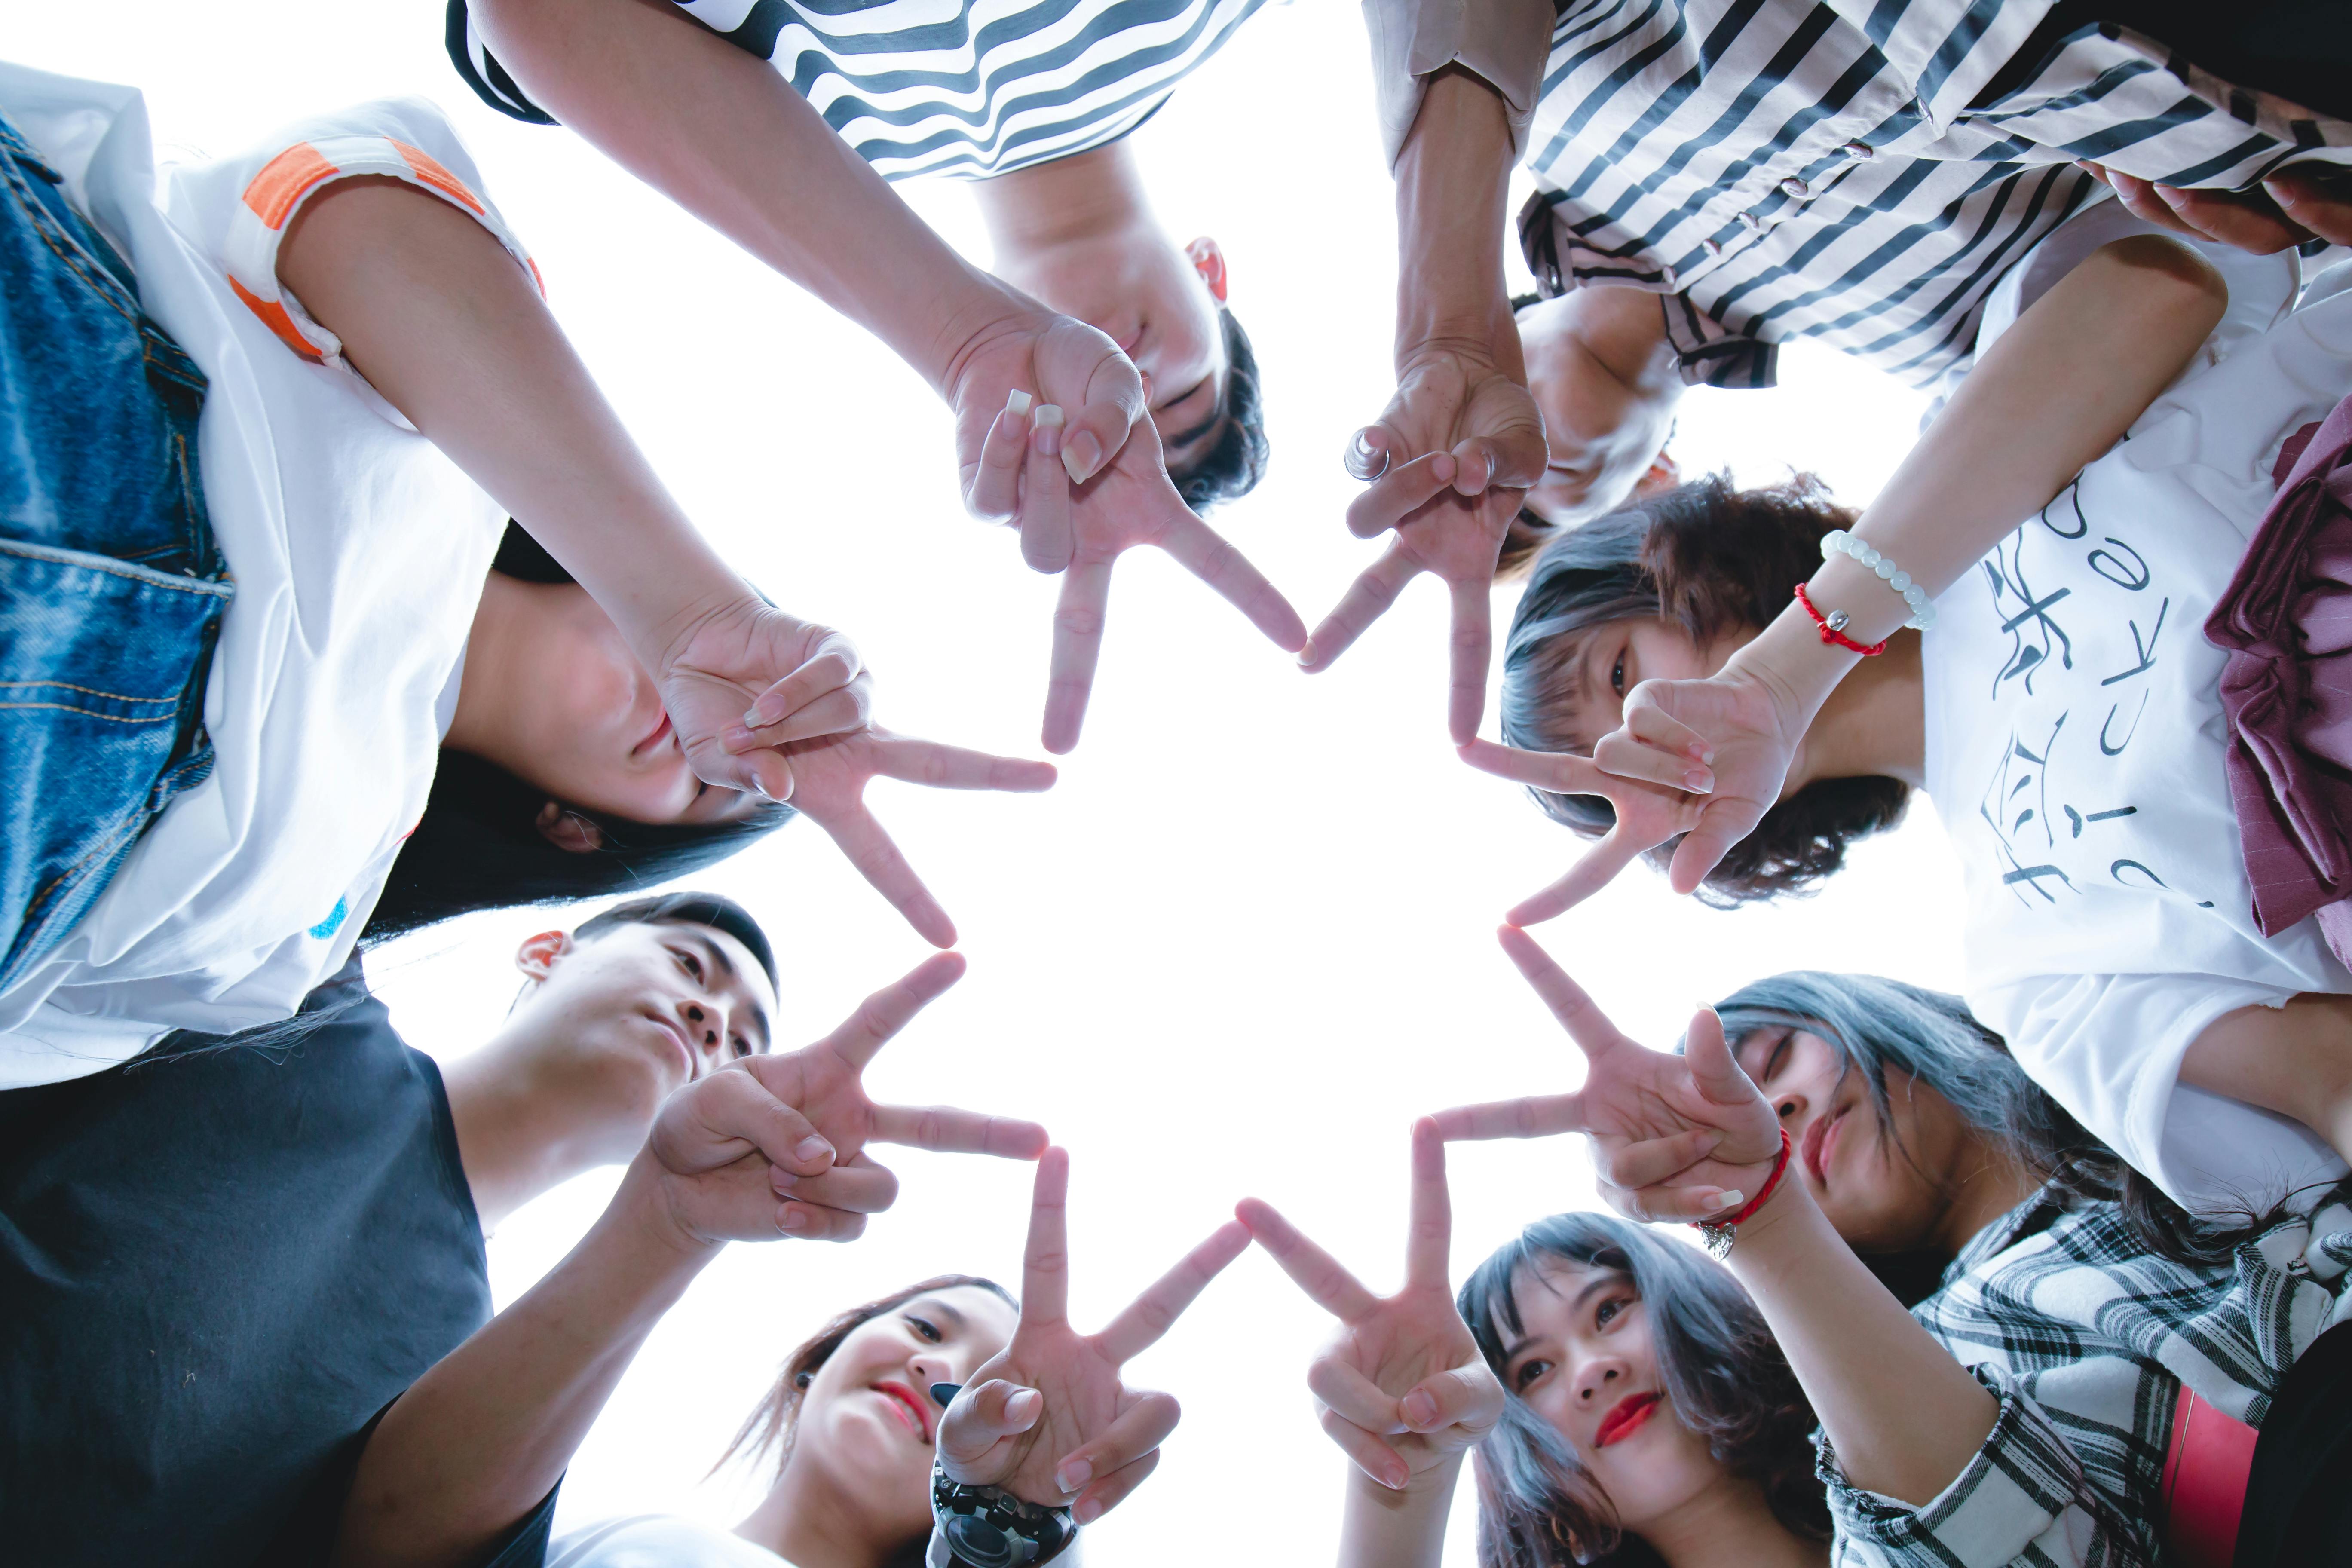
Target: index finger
x=860 y=838
x=1078 y=618
x=1561 y=772
x=1045 y=1260
x=1397 y=493
x=1152 y=1314
x=1472 y=645
x=1044 y=518
x=1429 y=1226
x=1328 y=1284
x=939 y=766
x=1210 y=556
x=1537 y=1116
x=945 y=1130
x=890 y=1009
x=1577 y=1013
x=1594 y=870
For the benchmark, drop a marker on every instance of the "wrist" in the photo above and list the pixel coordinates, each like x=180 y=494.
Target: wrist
x=645 y=1226
x=1782 y=1227
x=1428 y=1488
x=975 y=313
x=1796 y=670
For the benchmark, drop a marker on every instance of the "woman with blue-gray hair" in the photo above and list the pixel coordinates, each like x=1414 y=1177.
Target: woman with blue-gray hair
x=1626 y=1402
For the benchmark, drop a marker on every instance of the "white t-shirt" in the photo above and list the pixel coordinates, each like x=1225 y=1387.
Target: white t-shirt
x=2074 y=746
x=358 y=552
x=657 y=1541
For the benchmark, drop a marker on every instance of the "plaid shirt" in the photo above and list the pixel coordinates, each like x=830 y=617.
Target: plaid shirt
x=2086 y=1340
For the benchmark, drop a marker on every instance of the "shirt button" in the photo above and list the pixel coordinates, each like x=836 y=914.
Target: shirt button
x=1795 y=189
x=1860 y=151
x=1750 y=221
x=1667 y=277
x=1712 y=247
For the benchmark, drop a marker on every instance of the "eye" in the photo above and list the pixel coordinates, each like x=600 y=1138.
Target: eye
x=1617 y=674
x=1530 y=1373
x=688 y=962
x=743 y=1046
x=1608 y=1309
x=925 y=1327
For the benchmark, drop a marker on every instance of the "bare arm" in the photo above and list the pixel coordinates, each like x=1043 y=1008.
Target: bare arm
x=2295 y=1060
x=1384 y=1529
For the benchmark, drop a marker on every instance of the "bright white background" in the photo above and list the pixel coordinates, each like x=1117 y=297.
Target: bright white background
x=1249 y=936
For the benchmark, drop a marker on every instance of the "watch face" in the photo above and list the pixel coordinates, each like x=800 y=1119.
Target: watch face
x=983 y=1545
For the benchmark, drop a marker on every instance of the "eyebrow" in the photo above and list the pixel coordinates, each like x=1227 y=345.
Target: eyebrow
x=1216 y=417
x=940 y=1304
x=725 y=965
x=1603 y=1279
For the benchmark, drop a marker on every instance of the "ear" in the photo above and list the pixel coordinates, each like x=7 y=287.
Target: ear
x=1210 y=263
x=568 y=830
x=538 y=955
x=1664 y=475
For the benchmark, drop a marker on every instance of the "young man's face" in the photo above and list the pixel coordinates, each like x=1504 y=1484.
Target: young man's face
x=644 y=1009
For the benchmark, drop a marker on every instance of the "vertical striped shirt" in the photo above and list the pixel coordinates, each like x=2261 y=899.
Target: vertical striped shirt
x=968 y=87
x=1847 y=171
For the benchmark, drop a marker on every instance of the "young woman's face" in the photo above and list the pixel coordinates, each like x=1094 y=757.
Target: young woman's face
x=868 y=1418
x=582 y=719
x=644 y=1009
x=1615 y=657
x=1883 y=1187
x=1161 y=306
x=1584 y=1362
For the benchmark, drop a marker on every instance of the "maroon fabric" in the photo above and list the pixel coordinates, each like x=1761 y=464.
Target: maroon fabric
x=2286 y=689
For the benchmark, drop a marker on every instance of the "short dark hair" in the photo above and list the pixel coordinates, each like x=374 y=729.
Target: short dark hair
x=775 y=1422
x=710 y=909
x=1710 y=559
x=1236 y=460
x=1723 y=1373
x=479 y=846
x=1874 y=1023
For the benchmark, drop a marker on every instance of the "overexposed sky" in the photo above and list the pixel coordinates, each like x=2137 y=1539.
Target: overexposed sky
x=1249 y=935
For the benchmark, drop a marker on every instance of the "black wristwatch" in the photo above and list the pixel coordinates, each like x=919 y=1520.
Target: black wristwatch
x=988 y=1527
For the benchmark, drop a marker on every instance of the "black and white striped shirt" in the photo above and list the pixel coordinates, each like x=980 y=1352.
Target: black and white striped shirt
x=1839 y=171
x=969 y=87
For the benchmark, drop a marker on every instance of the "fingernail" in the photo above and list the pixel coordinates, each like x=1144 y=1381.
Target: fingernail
x=1016 y=402
x=1022 y=1405
x=1698 y=781
x=945 y=1392
x=1051 y=417
x=781 y=1180
x=1393 y=1479
x=813 y=1148
x=1731 y=1199
x=1074 y=1476
x=1420 y=1409
x=1703 y=752
x=739 y=738
x=1715 y=1138
x=794 y=1220
x=1047 y=436
x=1088 y=1511
x=1082 y=457
x=1307 y=654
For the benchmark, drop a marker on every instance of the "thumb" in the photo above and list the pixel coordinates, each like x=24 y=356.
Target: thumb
x=758 y=771
x=1713 y=1068
x=1468 y=1397
x=981 y=1417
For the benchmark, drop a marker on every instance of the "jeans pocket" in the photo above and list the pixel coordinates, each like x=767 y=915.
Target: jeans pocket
x=102 y=670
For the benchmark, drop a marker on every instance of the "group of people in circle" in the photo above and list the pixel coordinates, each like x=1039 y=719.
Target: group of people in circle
x=338 y=603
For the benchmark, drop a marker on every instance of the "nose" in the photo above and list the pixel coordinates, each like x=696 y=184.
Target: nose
x=927 y=1369
x=704 y=1018
x=1598 y=1379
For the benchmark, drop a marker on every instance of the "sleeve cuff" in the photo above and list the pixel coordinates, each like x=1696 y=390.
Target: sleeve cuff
x=2013 y=1491
x=291 y=176
x=524 y=1545
x=1502 y=42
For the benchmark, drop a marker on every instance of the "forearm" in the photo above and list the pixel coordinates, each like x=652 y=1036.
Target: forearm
x=1452 y=187
x=1905 y=1418
x=723 y=136
x=1384 y=1529
x=480 y=1438
x=436 y=314
x=2295 y=1060
x=2052 y=395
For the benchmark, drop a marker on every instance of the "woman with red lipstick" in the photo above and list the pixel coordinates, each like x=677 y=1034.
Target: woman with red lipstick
x=1649 y=1418
x=2083 y=1384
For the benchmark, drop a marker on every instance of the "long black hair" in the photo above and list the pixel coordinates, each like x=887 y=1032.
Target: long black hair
x=479 y=846
x=1723 y=1374
x=1711 y=560
x=1874 y=1024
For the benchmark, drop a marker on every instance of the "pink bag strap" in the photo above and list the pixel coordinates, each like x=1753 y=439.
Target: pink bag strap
x=2206 y=1469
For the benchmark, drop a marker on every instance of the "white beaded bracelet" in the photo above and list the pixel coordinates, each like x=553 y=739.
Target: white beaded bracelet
x=1838 y=541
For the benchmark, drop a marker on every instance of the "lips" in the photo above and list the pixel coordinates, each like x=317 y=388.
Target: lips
x=654 y=736
x=1820 y=1138
x=906 y=1407
x=1626 y=1420
x=677 y=1037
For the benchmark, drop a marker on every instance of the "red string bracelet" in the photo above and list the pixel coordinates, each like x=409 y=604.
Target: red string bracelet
x=1717 y=1232
x=1833 y=627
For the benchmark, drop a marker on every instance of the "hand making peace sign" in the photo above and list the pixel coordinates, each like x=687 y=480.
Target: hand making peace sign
x=1402 y=1386
x=1047 y=1418
x=1693 y=1121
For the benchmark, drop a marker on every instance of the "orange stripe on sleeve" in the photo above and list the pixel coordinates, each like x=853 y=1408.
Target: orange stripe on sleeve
x=273 y=316
x=431 y=173
x=283 y=180
x=535 y=277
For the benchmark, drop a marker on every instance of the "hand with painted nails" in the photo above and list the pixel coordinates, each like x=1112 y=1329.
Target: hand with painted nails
x=1695 y=761
x=829 y=775
x=1449 y=463
x=1402 y=1386
x=775 y=1145
x=2292 y=206
x=1048 y=1418
x=1092 y=511
x=1674 y=1137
